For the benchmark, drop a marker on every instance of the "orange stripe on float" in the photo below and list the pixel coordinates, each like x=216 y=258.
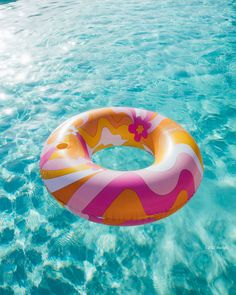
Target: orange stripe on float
x=48 y=174
x=181 y=199
x=182 y=136
x=121 y=204
x=74 y=150
x=127 y=205
x=63 y=195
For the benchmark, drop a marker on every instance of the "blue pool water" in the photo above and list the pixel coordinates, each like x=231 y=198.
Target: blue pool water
x=59 y=58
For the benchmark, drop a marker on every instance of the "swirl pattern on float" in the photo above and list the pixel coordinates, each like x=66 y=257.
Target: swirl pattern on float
x=121 y=197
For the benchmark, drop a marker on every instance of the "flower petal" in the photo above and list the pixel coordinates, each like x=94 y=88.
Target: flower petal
x=144 y=133
x=137 y=137
x=138 y=120
x=132 y=128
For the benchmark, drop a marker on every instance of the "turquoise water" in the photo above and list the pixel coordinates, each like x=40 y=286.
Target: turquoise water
x=59 y=58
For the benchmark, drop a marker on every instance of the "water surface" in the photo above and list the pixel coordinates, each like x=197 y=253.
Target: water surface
x=59 y=58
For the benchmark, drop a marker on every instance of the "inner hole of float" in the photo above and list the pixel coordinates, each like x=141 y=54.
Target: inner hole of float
x=123 y=158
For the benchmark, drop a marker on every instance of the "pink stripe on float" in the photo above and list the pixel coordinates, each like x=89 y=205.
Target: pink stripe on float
x=89 y=190
x=82 y=141
x=152 y=203
x=46 y=156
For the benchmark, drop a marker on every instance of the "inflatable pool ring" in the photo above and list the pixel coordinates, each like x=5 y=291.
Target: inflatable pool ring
x=121 y=197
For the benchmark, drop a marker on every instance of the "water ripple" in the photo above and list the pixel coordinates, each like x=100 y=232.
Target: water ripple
x=58 y=59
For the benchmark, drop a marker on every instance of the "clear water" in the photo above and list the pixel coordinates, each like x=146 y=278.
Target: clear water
x=123 y=158
x=59 y=58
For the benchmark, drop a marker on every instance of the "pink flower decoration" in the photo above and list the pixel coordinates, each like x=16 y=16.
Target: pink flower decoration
x=139 y=128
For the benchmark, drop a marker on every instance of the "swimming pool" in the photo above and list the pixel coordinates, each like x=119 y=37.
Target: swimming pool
x=59 y=58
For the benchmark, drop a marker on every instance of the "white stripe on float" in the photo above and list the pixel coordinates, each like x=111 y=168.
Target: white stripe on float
x=170 y=160
x=62 y=181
